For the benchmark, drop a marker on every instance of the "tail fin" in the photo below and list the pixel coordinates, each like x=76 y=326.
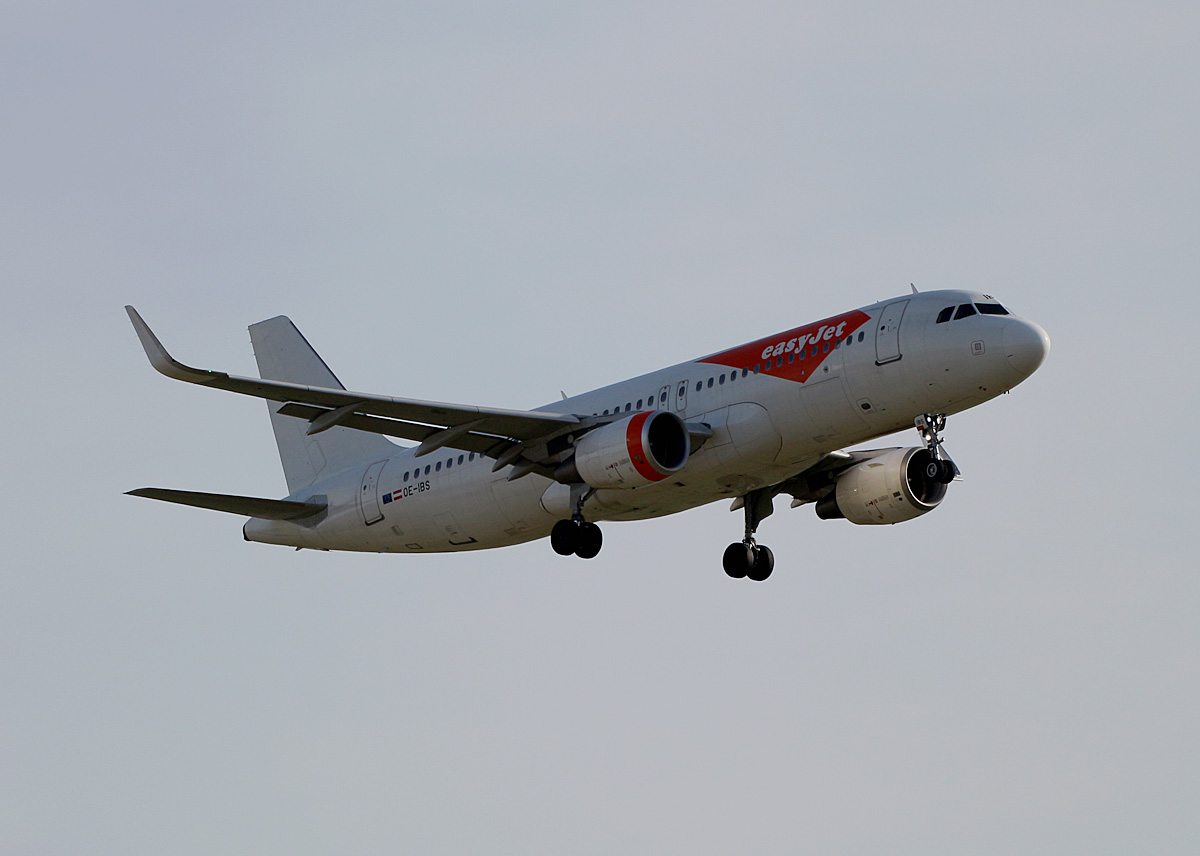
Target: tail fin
x=284 y=354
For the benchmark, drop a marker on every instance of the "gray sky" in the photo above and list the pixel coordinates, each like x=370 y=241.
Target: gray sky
x=488 y=203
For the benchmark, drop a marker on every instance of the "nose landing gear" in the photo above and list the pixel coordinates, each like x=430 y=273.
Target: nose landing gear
x=747 y=559
x=940 y=468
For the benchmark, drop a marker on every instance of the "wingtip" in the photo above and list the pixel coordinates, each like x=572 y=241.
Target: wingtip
x=162 y=361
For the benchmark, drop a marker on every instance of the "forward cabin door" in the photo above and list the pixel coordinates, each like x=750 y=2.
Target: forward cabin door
x=368 y=497
x=887 y=335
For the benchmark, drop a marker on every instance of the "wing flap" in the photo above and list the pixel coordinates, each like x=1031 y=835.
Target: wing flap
x=470 y=442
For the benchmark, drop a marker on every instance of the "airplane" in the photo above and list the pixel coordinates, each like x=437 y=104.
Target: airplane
x=768 y=417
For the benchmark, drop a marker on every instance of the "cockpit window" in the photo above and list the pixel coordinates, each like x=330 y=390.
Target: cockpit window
x=945 y=314
x=964 y=311
x=991 y=309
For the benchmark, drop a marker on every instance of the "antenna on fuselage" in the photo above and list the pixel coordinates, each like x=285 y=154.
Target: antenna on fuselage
x=914 y=288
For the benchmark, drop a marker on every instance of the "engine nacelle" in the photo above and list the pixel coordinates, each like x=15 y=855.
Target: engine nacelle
x=645 y=448
x=892 y=488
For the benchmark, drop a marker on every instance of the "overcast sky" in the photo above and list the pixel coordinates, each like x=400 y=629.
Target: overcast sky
x=488 y=203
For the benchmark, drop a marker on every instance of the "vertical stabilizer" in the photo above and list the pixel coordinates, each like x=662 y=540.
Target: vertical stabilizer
x=284 y=354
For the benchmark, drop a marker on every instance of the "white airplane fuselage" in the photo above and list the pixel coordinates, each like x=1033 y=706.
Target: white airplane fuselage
x=773 y=406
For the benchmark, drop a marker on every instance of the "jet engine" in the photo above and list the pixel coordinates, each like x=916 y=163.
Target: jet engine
x=892 y=488
x=640 y=450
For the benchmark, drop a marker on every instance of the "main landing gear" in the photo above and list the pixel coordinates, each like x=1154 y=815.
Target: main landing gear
x=576 y=536
x=940 y=468
x=745 y=558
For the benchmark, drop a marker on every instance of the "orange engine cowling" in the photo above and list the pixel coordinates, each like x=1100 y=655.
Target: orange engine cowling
x=645 y=448
x=892 y=488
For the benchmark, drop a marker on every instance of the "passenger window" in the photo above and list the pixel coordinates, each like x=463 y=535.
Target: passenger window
x=628 y=406
x=699 y=385
x=991 y=309
x=662 y=398
x=471 y=456
x=427 y=469
x=964 y=311
x=945 y=314
x=813 y=352
x=733 y=376
x=438 y=468
x=406 y=475
x=639 y=404
x=745 y=372
x=605 y=412
x=722 y=380
x=860 y=336
x=779 y=362
x=825 y=348
x=710 y=383
x=460 y=460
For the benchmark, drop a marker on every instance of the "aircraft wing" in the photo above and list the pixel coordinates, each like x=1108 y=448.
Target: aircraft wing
x=432 y=423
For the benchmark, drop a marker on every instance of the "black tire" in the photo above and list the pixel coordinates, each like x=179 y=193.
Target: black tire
x=563 y=537
x=736 y=560
x=947 y=472
x=764 y=563
x=588 y=541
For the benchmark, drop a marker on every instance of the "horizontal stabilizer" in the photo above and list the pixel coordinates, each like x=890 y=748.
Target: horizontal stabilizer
x=247 y=506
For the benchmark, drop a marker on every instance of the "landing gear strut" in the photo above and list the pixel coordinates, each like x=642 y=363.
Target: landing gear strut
x=745 y=558
x=940 y=468
x=576 y=536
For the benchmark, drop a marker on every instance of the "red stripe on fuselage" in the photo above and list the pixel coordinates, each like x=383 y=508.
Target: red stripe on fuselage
x=795 y=367
x=637 y=453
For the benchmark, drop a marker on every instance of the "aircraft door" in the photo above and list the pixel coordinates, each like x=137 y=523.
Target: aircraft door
x=368 y=497
x=681 y=396
x=664 y=398
x=887 y=335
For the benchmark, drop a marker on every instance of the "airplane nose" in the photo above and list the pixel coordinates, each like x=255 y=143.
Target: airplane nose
x=1026 y=346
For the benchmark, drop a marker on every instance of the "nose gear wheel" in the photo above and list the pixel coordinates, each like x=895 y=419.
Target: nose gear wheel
x=940 y=468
